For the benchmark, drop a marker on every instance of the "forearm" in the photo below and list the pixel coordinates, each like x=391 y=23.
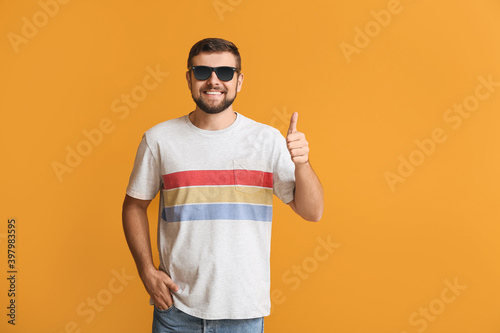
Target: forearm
x=308 y=193
x=136 y=229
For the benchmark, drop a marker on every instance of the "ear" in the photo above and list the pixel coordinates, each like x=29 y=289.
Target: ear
x=240 y=82
x=188 y=78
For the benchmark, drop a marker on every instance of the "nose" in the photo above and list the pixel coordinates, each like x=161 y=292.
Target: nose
x=213 y=79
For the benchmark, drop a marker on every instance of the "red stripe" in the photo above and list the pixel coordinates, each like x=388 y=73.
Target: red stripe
x=217 y=177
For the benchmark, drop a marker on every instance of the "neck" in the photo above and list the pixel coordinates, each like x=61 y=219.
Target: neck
x=212 y=122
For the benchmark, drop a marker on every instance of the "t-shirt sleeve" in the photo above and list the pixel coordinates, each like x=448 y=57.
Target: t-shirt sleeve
x=145 y=180
x=283 y=171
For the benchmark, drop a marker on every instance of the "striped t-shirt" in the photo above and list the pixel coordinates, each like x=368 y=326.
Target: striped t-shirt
x=214 y=220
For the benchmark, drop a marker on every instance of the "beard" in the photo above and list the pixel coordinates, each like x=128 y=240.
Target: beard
x=214 y=108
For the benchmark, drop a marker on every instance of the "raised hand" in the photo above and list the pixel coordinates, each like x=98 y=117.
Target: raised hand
x=296 y=142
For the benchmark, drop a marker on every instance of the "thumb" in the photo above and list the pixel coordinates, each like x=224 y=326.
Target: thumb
x=169 y=282
x=171 y=285
x=293 y=123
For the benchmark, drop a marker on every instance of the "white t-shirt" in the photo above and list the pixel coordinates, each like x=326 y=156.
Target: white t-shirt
x=214 y=221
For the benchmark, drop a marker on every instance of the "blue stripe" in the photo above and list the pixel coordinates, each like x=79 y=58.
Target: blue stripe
x=217 y=211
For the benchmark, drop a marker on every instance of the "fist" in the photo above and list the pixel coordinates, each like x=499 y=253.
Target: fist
x=296 y=142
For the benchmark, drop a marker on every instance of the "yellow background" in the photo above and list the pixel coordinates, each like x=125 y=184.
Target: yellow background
x=396 y=246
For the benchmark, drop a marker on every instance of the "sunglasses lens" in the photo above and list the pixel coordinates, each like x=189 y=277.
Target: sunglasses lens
x=202 y=72
x=225 y=73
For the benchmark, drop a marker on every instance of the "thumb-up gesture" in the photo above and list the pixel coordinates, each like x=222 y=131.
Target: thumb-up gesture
x=296 y=142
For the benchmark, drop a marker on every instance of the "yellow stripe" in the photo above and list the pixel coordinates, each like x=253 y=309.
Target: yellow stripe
x=209 y=194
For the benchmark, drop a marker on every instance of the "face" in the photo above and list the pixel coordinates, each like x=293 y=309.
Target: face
x=213 y=95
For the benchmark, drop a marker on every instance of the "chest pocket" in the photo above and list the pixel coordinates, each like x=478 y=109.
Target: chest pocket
x=248 y=176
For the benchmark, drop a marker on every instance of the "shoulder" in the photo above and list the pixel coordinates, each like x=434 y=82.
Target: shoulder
x=261 y=128
x=164 y=129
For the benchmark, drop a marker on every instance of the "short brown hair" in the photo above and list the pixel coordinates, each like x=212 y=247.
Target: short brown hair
x=214 y=45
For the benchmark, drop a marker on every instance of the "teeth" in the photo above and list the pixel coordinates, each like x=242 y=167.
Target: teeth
x=213 y=92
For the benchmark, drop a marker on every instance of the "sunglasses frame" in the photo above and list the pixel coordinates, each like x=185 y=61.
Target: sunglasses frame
x=214 y=69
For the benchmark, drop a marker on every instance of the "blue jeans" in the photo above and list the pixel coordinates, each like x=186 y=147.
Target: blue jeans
x=174 y=320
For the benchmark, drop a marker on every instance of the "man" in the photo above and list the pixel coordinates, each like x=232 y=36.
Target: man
x=216 y=171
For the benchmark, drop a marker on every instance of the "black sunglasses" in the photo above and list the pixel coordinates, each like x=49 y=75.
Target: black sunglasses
x=224 y=73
